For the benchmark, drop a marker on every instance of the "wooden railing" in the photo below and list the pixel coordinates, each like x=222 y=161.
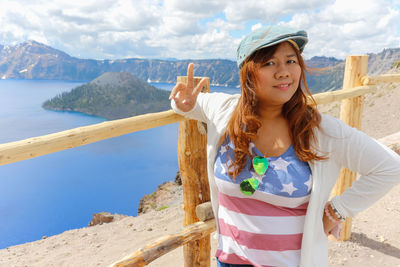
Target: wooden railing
x=46 y=144
x=192 y=160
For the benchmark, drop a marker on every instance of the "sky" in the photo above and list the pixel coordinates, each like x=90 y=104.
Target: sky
x=196 y=29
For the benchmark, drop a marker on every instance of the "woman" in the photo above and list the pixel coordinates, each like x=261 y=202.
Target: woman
x=273 y=159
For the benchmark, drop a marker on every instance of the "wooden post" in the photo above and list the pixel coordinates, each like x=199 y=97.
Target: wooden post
x=192 y=159
x=350 y=113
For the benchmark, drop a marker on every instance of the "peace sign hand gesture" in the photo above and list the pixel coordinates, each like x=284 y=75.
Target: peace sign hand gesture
x=185 y=95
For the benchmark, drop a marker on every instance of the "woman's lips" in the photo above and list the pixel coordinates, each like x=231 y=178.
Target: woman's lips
x=283 y=86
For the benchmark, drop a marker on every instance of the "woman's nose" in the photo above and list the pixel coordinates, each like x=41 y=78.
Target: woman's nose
x=282 y=72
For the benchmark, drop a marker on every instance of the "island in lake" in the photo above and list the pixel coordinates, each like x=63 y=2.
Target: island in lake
x=113 y=95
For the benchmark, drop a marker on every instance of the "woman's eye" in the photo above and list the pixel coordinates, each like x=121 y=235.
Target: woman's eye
x=292 y=61
x=269 y=63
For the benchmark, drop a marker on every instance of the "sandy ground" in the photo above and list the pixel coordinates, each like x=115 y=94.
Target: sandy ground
x=375 y=240
x=375 y=234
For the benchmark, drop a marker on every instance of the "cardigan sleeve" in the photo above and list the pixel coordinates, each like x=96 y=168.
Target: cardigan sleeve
x=206 y=107
x=378 y=166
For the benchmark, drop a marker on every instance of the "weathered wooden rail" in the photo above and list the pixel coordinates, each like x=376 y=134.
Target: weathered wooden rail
x=192 y=160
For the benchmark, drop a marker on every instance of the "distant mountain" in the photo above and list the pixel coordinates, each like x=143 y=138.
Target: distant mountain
x=383 y=61
x=322 y=62
x=33 y=60
x=328 y=73
x=113 y=95
x=324 y=74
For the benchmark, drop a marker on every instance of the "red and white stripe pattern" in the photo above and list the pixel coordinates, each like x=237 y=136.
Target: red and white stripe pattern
x=258 y=233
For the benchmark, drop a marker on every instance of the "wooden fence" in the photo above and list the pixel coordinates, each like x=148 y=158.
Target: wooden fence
x=192 y=160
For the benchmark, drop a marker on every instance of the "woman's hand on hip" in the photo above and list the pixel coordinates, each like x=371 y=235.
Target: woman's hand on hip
x=328 y=223
x=185 y=95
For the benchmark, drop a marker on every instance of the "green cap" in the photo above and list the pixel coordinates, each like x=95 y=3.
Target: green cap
x=269 y=36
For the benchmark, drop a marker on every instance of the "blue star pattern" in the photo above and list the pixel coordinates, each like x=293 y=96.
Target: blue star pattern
x=286 y=175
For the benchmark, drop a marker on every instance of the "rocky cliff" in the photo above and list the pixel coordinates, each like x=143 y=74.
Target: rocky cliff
x=166 y=195
x=33 y=60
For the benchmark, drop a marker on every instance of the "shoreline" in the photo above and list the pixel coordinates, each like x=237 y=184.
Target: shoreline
x=153 y=83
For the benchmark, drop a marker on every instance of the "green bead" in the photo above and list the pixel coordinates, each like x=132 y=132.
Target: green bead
x=260 y=165
x=249 y=186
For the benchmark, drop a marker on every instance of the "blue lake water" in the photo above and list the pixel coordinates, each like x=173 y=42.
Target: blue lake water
x=57 y=192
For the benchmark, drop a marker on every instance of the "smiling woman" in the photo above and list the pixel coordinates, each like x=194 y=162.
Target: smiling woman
x=273 y=159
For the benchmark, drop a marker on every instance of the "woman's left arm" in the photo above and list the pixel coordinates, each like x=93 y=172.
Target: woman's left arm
x=378 y=166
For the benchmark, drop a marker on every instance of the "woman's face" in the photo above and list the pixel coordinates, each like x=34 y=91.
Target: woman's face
x=278 y=78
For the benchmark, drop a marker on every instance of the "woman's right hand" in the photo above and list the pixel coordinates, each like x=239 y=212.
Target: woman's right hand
x=185 y=95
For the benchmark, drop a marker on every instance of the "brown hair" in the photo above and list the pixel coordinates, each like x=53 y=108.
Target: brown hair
x=302 y=117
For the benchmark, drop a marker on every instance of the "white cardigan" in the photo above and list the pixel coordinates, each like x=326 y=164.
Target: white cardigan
x=378 y=166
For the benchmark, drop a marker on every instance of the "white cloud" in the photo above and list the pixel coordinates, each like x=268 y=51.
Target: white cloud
x=256 y=26
x=269 y=11
x=350 y=27
x=196 y=29
x=198 y=9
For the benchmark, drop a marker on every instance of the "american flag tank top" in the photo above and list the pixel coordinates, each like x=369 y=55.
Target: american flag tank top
x=266 y=228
